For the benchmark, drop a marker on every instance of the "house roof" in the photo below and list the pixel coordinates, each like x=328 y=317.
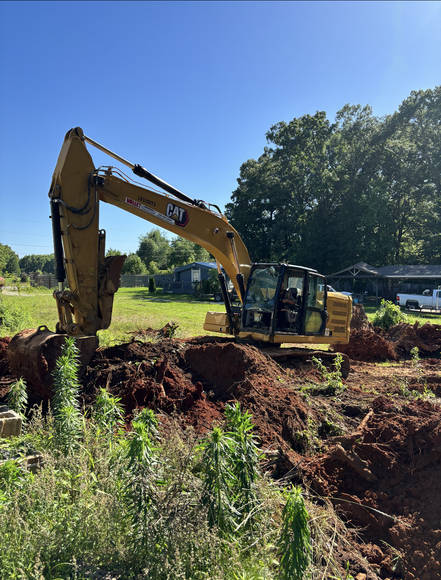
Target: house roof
x=208 y=265
x=363 y=270
x=355 y=270
x=410 y=271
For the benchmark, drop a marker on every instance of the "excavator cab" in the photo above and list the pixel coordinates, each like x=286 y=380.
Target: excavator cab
x=284 y=300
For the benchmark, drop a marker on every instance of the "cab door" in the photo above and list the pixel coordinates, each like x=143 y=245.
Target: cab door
x=315 y=313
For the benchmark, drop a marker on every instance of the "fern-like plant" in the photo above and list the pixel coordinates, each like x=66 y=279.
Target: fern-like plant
x=244 y=461
x=65 y=404
x=108 y=413
x=17 y=399
x=295 y=541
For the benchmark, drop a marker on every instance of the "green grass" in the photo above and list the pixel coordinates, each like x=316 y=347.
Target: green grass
x=134 y=308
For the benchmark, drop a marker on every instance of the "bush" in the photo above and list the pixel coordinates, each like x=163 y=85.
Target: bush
x=388 y=315
x=152 y=285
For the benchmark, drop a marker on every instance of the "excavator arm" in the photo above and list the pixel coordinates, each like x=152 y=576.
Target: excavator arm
x=76 y=191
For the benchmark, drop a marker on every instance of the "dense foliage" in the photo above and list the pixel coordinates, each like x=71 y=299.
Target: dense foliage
x=38 y=263
x=388 y=315
x=9 y=261
x=362 y=188
x=159 y=253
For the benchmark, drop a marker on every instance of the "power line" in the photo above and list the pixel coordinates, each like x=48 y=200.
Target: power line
x=25 y=234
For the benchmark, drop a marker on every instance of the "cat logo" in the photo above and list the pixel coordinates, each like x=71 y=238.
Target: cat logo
x=178 y=214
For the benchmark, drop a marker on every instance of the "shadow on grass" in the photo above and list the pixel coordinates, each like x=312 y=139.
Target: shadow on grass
x=144 y=294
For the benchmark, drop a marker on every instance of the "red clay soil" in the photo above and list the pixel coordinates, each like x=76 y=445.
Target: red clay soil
x=373 y=449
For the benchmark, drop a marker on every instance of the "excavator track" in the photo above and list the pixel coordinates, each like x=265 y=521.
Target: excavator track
x=304 y=357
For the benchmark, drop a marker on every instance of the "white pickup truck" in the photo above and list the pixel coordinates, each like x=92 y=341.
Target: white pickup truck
x=428 y=300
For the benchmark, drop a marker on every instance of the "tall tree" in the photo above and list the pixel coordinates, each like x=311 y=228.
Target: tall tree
x=362 y=189
x=154 y=247
x=133 y=265
x=9 y=261
x=183 y=251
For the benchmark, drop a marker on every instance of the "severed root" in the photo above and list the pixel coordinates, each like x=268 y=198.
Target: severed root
x=355 y=462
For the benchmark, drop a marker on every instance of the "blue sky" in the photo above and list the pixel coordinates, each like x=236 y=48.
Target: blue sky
x=187 y=89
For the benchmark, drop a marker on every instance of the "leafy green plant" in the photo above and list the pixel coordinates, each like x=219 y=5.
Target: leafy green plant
x=295 y=541
x=148 y=418
x=219 y=481
x=152 y=285
x=141 y=473
x=66 y=387
x=244 y=461
x=108 y=412
x=11 y=477
x=332 y=378
x=13 y=318
x=17 y=399
x=388 y=315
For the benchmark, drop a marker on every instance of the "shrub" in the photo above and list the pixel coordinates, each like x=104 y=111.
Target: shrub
x=389 y=314
x=295 y=541
x=152 y=285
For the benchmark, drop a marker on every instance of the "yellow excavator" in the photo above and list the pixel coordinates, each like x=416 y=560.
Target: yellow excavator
x=279 y=303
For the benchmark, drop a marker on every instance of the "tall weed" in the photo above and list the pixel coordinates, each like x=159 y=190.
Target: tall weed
x=295 y=541
x=17 y=399
x=66 y=408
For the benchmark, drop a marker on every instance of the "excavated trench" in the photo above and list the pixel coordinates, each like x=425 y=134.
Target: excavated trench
x=372 y=450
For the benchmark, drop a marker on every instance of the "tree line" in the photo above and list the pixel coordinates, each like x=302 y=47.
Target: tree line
x=328 y=195
x=155 y=253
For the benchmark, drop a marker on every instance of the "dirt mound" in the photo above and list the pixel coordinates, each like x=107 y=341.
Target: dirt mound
x=373 y=448
x=367 y=345
x=196 y=380
x=359 y=320
x=225 y=365
x=385 y=478
x=427 y=337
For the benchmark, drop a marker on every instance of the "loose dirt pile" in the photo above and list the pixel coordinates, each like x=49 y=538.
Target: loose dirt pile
x=371 y=450
x=374 y=344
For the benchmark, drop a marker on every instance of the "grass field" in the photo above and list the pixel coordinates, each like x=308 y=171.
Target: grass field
x=134 y=308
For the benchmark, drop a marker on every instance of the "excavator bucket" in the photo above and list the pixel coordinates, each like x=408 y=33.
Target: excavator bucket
x=33 y=353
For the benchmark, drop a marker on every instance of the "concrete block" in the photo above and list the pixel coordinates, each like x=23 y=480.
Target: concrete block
x=10 y=423
x=34 y=462
x=31 y=462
